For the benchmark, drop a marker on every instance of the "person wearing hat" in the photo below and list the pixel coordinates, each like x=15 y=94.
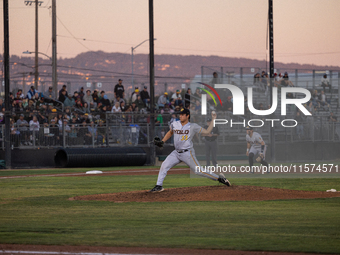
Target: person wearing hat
x=285 y=82
x=163 y=99
x=67 y=128
x=105 y=101
x=177 y=97
x=183 y=132
x=101 y=132
x=325 y=83
x=256 y=148
x=50 y=93
x=64 y=88
x=23 y=125
x=31 y=92
x=265 y=81
x=134 y=95
x=54 y=131
x=34 y=127
x=63 y=96
x=139 y=103
x=69 y=101
x=211 y=144
x=20 y=96
x=119 y=89
x=144 y=94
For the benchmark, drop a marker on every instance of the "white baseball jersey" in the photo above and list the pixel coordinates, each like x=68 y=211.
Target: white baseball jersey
x=183 y=135
x=255 y=141
x=184 y=151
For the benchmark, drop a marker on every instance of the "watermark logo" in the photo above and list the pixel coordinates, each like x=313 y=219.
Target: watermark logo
x=238 y=100
x=204 y=97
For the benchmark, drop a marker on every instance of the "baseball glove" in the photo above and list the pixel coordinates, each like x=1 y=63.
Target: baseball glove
x=157 y=141
x=259 y=158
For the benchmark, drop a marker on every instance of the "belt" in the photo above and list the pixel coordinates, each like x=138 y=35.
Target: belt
x=182 y=151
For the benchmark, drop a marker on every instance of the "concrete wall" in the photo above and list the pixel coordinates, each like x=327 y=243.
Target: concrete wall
x=284 y=152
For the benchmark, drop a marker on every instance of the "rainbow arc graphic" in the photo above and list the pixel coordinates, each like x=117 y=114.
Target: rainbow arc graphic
x=210 y=94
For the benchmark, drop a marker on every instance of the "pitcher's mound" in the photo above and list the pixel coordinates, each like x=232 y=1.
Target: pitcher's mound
x=209 y=193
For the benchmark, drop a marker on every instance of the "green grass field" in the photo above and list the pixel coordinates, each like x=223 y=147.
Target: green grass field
x=36 y=210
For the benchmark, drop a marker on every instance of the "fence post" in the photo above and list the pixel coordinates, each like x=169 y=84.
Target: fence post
x=313 y=79
x=330 y=81
x=321 y=127
x=107 y=130
x=2 y=133
x=221 y=78
x=64 y=138
x=92 y=135
x=296 y=78
x=148 y=133
x=241 y=76
x=338 y=89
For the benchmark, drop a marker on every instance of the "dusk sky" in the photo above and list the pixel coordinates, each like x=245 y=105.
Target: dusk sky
x=305 y=31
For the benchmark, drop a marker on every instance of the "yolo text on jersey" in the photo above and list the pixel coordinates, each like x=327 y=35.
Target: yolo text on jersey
x=181 y=132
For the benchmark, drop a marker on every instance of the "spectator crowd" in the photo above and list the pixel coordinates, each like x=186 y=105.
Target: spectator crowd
x=42 y=117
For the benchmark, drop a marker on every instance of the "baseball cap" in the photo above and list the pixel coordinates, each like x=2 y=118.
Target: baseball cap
x=209 y=119
x=22 y=115
x=177 y=91
x=184 y=111
x=165 y=93
x=145 y=87
x=249 y=128
x=120 y=80
x=105 y=97
x=50 y=88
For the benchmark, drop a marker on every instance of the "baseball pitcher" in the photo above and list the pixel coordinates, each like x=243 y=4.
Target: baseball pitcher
x=183 y=132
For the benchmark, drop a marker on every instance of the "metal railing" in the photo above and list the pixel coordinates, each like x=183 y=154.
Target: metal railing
x=131 y=129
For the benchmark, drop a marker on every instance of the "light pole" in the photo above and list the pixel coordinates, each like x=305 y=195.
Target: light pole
x=54 y=48
x=29 y=3
x=132 y=49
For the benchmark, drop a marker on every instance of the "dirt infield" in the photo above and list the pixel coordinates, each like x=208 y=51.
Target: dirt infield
x=209 y=193
x=93 y=250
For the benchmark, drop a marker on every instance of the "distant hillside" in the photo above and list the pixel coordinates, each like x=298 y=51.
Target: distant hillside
x=107 y=68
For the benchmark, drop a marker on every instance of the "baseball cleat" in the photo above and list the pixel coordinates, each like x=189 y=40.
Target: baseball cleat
x=157 y=188
x=224 y=180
